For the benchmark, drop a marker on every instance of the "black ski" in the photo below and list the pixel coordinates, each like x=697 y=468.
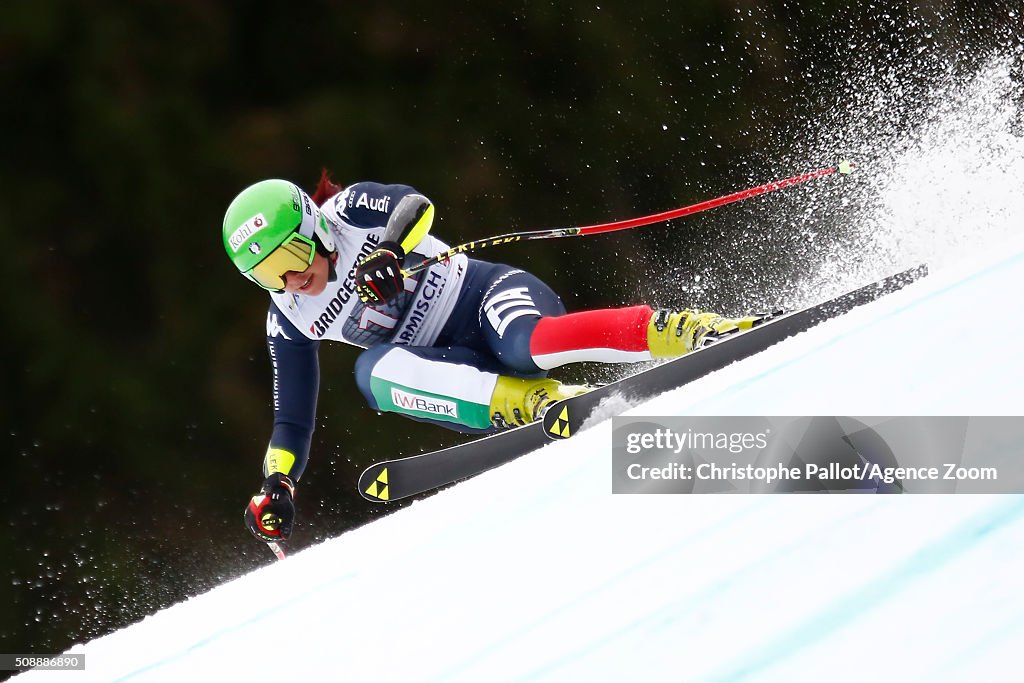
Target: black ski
x=565 y=418
x=404 y=477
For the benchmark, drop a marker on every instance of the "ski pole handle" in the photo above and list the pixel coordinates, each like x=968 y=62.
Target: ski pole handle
x=844 y=167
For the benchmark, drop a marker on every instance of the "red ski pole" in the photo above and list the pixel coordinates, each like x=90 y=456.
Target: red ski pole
x=843 y=167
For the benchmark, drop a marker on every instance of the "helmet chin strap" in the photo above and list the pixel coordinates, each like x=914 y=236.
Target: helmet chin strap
x=332 y=270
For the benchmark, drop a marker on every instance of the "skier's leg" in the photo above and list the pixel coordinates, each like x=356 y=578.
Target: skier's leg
x=453 y=387
x=628 y=335
x=520 y=330
x=525 y=326
x=447 y=386
x=613 y=335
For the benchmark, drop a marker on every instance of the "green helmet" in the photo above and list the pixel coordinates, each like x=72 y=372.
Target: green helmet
x=265 y=216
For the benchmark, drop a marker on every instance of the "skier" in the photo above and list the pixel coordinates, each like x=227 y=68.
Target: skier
x=465 y=343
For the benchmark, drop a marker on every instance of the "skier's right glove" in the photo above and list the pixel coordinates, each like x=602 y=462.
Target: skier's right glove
x=271 y=512
x=379 y=276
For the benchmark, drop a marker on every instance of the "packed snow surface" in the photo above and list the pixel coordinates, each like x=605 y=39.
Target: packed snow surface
x=535 y=571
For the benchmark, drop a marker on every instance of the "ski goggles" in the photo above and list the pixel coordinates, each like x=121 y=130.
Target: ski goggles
x=295 y=254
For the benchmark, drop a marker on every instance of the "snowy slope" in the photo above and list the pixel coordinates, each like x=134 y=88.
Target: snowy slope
x=536 y=572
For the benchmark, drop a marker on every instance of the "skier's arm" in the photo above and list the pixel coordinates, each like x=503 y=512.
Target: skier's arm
x=293 y=358
x=371 y=205
x=270 y=514
x=409 y=215
x=409 y=222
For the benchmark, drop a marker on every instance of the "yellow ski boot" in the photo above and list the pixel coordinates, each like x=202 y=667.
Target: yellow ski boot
x=519 y=401
x=674 y=333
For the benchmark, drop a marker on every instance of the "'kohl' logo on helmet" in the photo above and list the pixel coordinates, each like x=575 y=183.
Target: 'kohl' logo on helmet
x=247 y=230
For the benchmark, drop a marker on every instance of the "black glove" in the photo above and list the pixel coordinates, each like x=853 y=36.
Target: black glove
x=271 y=512
x=379 y=276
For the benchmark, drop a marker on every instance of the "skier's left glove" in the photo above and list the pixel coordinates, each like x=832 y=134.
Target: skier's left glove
x=271 y=512
x=379 y=276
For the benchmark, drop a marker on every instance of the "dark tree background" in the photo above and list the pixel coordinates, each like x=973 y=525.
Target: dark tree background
x=135 y=405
